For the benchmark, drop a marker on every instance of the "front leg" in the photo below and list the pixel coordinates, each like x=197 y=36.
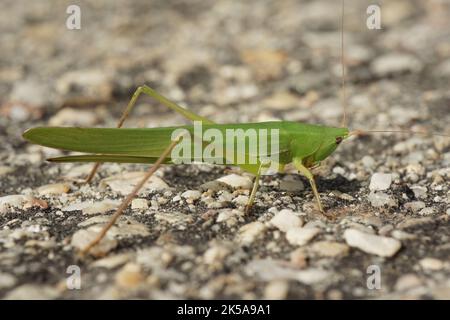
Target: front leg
x=307 y=173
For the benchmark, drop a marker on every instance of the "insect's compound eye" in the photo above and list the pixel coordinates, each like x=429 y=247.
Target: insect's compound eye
x=338 y=140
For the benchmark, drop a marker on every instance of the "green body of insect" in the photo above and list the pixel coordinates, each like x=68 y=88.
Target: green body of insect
x=304 y=145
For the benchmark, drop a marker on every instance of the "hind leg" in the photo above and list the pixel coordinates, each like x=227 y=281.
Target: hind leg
x=164 y=101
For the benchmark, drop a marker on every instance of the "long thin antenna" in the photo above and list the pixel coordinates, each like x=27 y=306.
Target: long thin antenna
x=344 y=98
x=361 y=132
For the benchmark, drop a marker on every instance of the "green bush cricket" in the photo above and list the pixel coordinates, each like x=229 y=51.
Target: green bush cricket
x=303 y=145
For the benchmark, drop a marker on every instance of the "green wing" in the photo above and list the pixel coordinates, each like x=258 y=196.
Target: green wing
x=111 y=141
x=126 y=145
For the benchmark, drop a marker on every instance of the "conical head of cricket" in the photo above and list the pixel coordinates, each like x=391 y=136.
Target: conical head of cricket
x=331 y=139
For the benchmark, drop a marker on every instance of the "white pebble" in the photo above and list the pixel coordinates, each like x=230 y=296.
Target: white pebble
x=427 y=211
x=73 y=117
x=415 y=206
x=32 y=292
x=237 y=181
x=395 y=63
x=380 y=199
x=56 y=188
x=406 y=282
x=301 y=236
x=20 y=201
x=191 y=195
x=7 y=280
x=250 y=232
x=329 y=249
x=82 y=238
x=380 y=181
x=420 y=192
x=373 y=244
x=285 y=220
x=241 y=200
x=215 y=255
x=139 y=204
x=276 y=290
x=125 y=182
x=368 y=162
x=431 y=264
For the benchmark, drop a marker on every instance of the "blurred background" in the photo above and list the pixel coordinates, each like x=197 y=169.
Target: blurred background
x=228 y=60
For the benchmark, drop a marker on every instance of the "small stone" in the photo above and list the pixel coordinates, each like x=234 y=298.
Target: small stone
x=431 y=264
x=335 y=294
x=360 y=227
x=343 y=196
x=406 y=282
x=32 y=292
x=241 y=200
x=139 y=204
x=313 y=276
x=4 y=170
x=90 y=208
x=7 y=280
x=402 y=235
x=298 y=258
x=381 y=199
x=420 y=192
x=443 y=69
x=174 y=218
x=265 y=64
x=372 y=221
x=191 y=195
x=125 y=182
x=112 y=261
x=130 y=276
x=373 y=244
x=415 y=206
x=21 y=202
x=329 y=249
x=90 y=83
x=301 y=236
x=82 y=238
x=77 y=172
x=427 y=211
x=394 y=63
x=281 y=100
x=414 y=222
x=226 y=215
x=52 y=189
x=268 y=270
x=215 y=255
x=73 y=117
x=339 y=170
x=30 y=91
x=237 y=181
x=368 y=162
x=214 y=186
x=101 y=207
x=385 y=230
x=291 y=184
x=250 y=232
x=13 y=201
x=276 y=290
x=285 y=220
x=380 y=181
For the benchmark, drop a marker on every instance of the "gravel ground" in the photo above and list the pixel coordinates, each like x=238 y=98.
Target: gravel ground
x=186 y=235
